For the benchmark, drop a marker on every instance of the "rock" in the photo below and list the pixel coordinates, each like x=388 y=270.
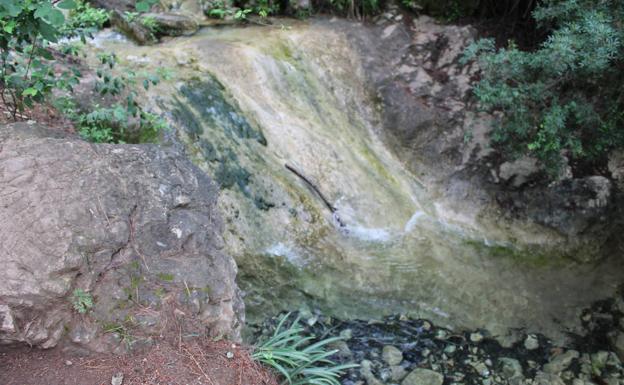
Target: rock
x=133 y=29
x=542 y=378
x=481 y=368
x=367 y=373
x=617 y=341
x=422 y=376
x=117 y=378
x=573 y=206
x=531 y=342
x=510 y=368
x=343 y=349
x=519 y=171
x=104 y=218
x=476 y=337
x=397 y=373
x=172 y=24
x=599 y=359
x=391 y=355
x=560 y=362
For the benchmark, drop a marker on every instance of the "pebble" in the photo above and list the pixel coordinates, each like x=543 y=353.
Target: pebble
x=531 y=342
x=391 y=355
x=229 y=355
x=117 y=378
x=476 y=337
x=422 y=376
x=68 y=363
x=397 y=373
x=560 y=362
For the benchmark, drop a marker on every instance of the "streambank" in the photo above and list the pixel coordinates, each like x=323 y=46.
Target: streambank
x=406 y=351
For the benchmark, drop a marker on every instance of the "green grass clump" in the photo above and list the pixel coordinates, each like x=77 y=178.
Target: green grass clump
x=298 y=359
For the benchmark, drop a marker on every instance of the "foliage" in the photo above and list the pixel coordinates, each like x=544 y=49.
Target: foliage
x=122 y=121
x=84 y=20
x=565 y=97
x=144 y=5
x=297 y=358
x=27 y=76
x=82 y=301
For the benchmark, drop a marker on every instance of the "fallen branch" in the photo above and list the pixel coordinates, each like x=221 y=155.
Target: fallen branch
x=318 y=192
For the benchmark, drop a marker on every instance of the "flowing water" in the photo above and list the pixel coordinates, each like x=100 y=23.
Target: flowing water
x=318 y=211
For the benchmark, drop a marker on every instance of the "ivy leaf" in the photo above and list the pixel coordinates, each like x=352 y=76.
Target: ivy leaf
x=47 y=31
x=143 y=6
x=30 y=92
x=10 y=7
x=67 y=4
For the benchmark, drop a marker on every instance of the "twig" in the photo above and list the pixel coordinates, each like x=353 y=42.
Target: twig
x=312 y=185
x=190 y=355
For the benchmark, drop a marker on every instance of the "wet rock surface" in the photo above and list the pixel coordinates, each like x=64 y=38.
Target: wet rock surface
x=433 y=355
x=133 y=228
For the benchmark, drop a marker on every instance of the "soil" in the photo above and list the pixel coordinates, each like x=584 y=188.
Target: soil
x=193 y=363
x=43 y=114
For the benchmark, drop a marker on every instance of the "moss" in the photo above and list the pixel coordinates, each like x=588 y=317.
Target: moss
x=165 y=277
x=526 y=257
x=209 y=99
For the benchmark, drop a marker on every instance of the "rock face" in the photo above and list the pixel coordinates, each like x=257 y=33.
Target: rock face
x=133 y=227
x=425 y=92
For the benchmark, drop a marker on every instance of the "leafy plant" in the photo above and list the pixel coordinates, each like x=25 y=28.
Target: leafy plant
x=122 y=121
x=82 y=301
x=241 y=14
x=27 y=27
x=144 y=5
x=150 y=23
x=566 y=97
x=84 y=20
x=299 y=359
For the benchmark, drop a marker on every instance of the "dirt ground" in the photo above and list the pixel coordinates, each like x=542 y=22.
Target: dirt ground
x=193 y=363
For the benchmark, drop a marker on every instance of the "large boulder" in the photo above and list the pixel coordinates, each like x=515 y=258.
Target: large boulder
x=132 y=228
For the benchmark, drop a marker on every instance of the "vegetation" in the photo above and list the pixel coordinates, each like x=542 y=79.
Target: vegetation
x=297 y=358
x=82 y=301
x=29 y=73
x=565 y=98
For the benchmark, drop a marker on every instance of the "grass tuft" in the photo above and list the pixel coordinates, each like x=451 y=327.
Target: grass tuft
x=298 y=359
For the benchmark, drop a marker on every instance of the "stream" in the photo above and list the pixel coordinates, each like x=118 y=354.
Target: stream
x=318 y=212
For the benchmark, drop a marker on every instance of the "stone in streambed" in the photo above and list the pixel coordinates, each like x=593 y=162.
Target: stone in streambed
x=391 y=355
x=560 y=362
x=531 y=342
x=422 y=376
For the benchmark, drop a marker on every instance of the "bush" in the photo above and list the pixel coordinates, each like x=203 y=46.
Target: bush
x=27 y=76
x=566 y=97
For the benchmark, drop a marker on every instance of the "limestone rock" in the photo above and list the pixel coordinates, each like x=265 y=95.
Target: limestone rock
x=172 y=24
x=422 y=376
x=519 y=171
x=104 y=218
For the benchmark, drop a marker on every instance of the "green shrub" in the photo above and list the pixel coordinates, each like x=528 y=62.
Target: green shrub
x=27 y=27
x=297 y=358
x=564 y=98
x=84 y=20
